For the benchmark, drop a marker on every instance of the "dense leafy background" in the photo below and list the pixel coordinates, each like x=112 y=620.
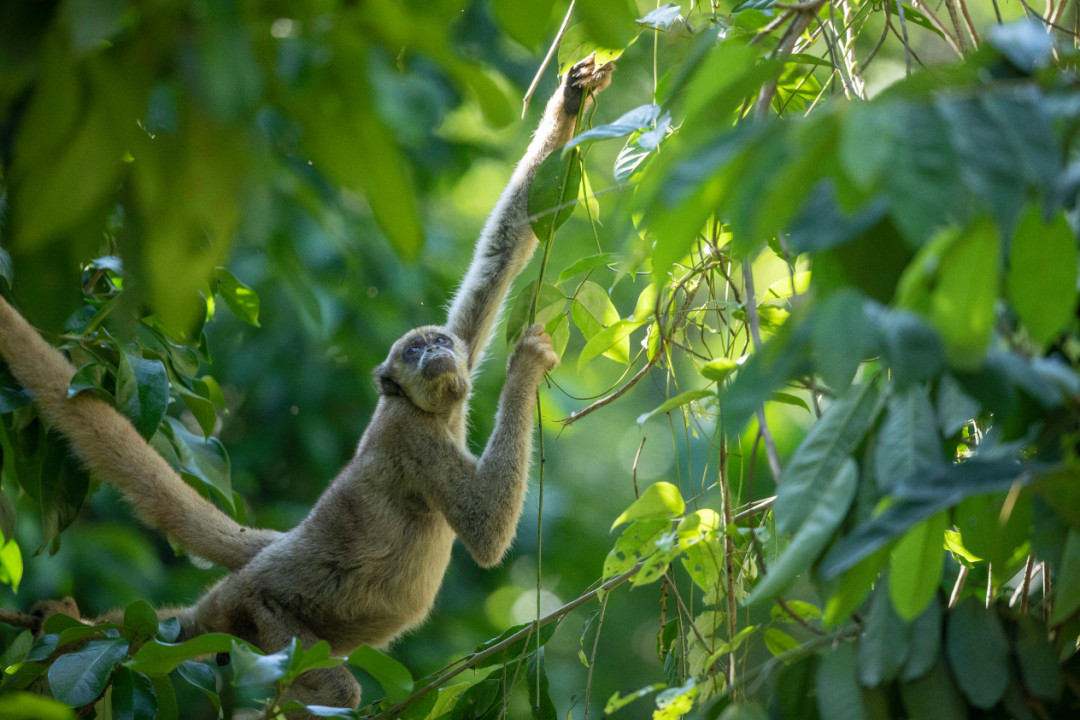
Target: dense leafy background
x=811 y=249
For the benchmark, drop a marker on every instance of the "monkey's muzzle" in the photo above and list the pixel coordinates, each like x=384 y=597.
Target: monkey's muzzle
x=437 y=361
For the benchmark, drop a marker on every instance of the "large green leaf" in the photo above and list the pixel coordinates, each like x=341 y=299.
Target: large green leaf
x=158 y=658
x=885 y=644
x=1067 y=579
x=915 y=566
x=142 y=392
x=1042 y=274
x=823 y=451
x=395 y=678
x=908 y=441
x=77 y=678
x=820 y=518
x=133 y=696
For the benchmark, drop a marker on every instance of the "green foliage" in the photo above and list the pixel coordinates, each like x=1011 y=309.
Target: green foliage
x=854 y=298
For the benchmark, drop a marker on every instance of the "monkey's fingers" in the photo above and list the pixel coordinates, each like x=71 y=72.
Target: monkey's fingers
x=585 y=78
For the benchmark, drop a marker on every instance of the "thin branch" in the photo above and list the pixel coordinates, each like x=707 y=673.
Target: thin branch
x=938 y=25
x=903 y=30
x=954 y=18
x=547 y=59
x=607 y=400
x=958 y=586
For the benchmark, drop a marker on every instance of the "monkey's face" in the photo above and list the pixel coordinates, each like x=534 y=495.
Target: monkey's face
x=427 y=366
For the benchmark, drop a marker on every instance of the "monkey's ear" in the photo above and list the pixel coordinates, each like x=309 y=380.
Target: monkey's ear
x=385 y=382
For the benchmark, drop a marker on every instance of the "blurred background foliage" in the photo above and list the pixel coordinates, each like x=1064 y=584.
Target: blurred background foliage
x=339 y=159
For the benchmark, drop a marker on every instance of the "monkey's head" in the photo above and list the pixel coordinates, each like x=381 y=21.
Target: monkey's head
x=429 y=367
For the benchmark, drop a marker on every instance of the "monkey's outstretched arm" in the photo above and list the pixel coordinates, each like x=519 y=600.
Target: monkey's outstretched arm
x=110 y=446
x=482 y=498
x=507 y=242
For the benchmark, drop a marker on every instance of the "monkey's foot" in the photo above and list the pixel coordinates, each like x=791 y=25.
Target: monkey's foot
x=585 y=77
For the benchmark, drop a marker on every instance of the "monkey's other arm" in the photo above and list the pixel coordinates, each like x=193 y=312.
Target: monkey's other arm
x=482 y=498
x=507 y=242
x=108 y=443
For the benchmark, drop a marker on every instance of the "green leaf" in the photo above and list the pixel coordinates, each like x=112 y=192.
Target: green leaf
x=515 y=649
x=1042 y=274
x=926 y=636
x=849 y=591
x=885 y=643
x=11 y=564
x=553 y=193
x=133 y=696
x=550 y=305
x=612 y=341
x=88 y=377
x=395 y=678
x=818 y=523
x=156 y=658
x=661 y=499
x=142 y=392
x=166 y=698
x=679 y=400
x=77 y=678
x=748 y=711
x=252 y=667
x=140 y=621
x=1037 y=659
x=1067 y=588
x=19 y=705
x=241 y=299
x=717 y=370
x=934 y=696
x=818 y=459
x=953 y=281
x=539 y=694
x=593 y=312
x=525 y=22
x=203 y=411
x=636 y=542
x=640 y=118
x=203 y=461
x=978 y=653
x=840 y=337
x=586 y=264
x=838 y=694
x=201 y=676
x=915 y=566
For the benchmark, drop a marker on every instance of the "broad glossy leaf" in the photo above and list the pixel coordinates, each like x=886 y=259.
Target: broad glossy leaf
x=395 y=678
x=140 y=621
x=133 y=696
x=978 y=653
x=201 y=676
x=252 y=667
x=77 y=678
x=611 y=341
x=142 y=392
x=661 y=499
x=158 y=658
x=847 y=592
x=820 y=520
x=525 y=22
x=823 y=451
x=840 y=338
x=908 y=441
x=553 y=194
x=1042 y=274
x=640 y=118
x=241 y=299
x=593 y=312
x=915 y=566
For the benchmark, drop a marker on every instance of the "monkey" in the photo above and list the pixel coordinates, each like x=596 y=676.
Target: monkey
x=366 y=563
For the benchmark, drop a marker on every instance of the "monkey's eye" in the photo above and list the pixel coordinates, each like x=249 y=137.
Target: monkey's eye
x=442 y=340
x=414 y=349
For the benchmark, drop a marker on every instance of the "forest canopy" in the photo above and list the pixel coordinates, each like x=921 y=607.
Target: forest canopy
x=811 y=269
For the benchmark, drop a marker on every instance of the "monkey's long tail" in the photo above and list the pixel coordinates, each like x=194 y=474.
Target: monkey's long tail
x=110 y=446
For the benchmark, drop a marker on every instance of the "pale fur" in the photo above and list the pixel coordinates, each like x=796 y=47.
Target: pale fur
x=366 y=563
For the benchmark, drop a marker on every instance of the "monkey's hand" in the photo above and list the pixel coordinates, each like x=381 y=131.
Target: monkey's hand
x=585 y=78
x=533 y=355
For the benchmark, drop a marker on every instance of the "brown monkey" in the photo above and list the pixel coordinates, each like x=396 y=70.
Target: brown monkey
x=366 y=563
